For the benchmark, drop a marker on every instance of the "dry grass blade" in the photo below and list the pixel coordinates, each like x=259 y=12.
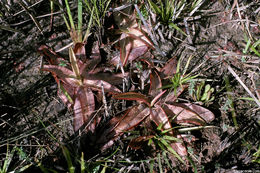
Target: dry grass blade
x=74 y=64
x=32 y=16
x=243 y=85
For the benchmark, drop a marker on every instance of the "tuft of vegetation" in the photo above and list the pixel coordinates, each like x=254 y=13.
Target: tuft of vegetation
x=129 y=86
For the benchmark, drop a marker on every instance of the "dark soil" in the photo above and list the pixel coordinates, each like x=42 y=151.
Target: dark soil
x=33 y=118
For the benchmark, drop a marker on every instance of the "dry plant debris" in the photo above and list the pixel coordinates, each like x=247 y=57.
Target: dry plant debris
x=171 y=83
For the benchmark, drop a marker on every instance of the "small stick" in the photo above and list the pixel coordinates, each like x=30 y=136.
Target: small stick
x=124 y=85
x=104 y=100
x=187 y=30
x=243 y=85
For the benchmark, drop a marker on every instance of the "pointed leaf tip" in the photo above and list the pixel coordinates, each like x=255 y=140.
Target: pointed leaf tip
x=132 y=96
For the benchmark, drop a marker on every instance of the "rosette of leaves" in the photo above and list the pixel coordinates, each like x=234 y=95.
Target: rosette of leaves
x=77 y=80
x=203 y=93
x=160 y=107
x=133 y=41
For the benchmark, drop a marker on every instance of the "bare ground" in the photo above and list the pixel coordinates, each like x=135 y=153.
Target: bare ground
x=30 y=110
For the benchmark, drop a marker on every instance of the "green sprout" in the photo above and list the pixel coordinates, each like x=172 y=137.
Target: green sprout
x=203 y=93
x=179 y=79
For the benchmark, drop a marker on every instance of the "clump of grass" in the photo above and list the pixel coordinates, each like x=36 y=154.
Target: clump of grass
x=9 y=156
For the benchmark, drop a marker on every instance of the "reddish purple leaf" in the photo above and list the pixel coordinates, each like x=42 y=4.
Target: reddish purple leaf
x=185 y=113
x=136 y=52
x=52 y=57
x=63 y=74
x=114 y=79
x=170 y=68
x=159 y=116
x=155 y=84
x=88 y=64
x=84 y=106
x=135 y=116
x=118 y=126
x=97 y=85
x=179 y=147
x=204 y=113
x=155 y=99
x=126 y=45
x=140 y=37
x=171 y=97
x=133 y=96
x=79 y=50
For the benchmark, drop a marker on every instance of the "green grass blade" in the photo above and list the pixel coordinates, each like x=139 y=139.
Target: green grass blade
x=7 y=28
x=170 y=149
x=45 y=128
x=151 y=165
x=232 y=109
x=247 y=46
x=88 y=5
x=107 y=5
x=79 y=20
x=160 y=162
x=104 y=168
x=42 y=168
x=187 y=65
x=66 y=94
x=171 y=138
x=256 y=43
x=89 y=26
x=186 y=79
x=247 y=98
x=74 y=64
x=23 y=168
x=155 y=8
x=66 y=154
x=70 y=16
x=255 y=51
x=167 y=160
x=82 y=163
x=8 y=159
x=193 y=164
x=196 y=3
